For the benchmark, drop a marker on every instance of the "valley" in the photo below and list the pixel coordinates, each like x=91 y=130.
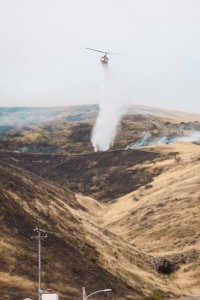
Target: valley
x=125 y=219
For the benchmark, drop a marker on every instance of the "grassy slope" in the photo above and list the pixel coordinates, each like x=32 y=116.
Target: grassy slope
x=80 y=253
x=104 y=243
x=163 y=218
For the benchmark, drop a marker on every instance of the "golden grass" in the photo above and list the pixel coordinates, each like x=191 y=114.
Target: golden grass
x=161 y=220
x=16 y=281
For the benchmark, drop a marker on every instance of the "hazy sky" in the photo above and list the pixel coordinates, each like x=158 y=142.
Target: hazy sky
x=43 y=60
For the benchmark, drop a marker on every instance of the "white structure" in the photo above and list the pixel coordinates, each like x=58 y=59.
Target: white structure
x=49 y=296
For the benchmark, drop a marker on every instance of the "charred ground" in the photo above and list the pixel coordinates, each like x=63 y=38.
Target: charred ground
x=105 y=176
x=69 y=261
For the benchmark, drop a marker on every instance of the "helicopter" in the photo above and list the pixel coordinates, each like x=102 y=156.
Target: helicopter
x=104 y=59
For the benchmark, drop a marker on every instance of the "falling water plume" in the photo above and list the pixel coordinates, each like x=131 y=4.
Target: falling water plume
x=111 y=110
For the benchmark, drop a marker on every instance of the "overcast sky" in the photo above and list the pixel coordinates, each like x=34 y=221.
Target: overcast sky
x=43 y=61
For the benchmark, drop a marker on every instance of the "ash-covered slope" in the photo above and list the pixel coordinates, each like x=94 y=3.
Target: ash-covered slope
x=103 y=175
x=69 y=260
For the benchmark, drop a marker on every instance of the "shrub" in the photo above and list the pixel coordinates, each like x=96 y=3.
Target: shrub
x=22 y=256
x=154 y=296
x=92 y=257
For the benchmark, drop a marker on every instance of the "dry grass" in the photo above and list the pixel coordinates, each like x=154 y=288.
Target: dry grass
x=17 y=281
x=113 y=242
x=163 y=219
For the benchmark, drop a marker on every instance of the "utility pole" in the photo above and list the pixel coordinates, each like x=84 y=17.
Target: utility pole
x=84 y=294
x=41 y=234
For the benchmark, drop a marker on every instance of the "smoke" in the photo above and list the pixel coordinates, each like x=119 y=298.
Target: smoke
x=143 y=141
x=111 y=109
x=194 y=137
x=148 y=140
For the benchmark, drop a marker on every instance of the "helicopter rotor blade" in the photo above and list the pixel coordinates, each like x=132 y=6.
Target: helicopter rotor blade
x=115 y=53
x=105 y=52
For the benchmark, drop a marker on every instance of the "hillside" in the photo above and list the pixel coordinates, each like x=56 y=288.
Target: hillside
x=125 y=219
x=163 y=218
x=60 y=131
x=78 y=253
x=105 y=176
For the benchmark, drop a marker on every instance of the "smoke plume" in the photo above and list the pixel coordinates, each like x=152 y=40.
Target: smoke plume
x=147 y=139
x=111 y=110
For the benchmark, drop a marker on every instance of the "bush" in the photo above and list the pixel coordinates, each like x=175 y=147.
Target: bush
x=154 y=296
x=22 y=256
x=92 y=257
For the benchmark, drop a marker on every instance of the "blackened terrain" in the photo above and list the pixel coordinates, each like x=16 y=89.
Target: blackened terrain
x=104 y=175
x=69 y=263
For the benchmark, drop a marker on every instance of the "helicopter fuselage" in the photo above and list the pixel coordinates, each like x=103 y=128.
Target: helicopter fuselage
x=104 y=60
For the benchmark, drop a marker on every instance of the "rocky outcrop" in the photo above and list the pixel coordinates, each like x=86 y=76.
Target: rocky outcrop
x=169 y=264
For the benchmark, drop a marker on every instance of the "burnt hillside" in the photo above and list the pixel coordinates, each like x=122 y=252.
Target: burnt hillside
x=104 y=175
x=69 y=261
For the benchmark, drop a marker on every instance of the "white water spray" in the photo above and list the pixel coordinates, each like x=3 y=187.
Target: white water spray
x=111 y=110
